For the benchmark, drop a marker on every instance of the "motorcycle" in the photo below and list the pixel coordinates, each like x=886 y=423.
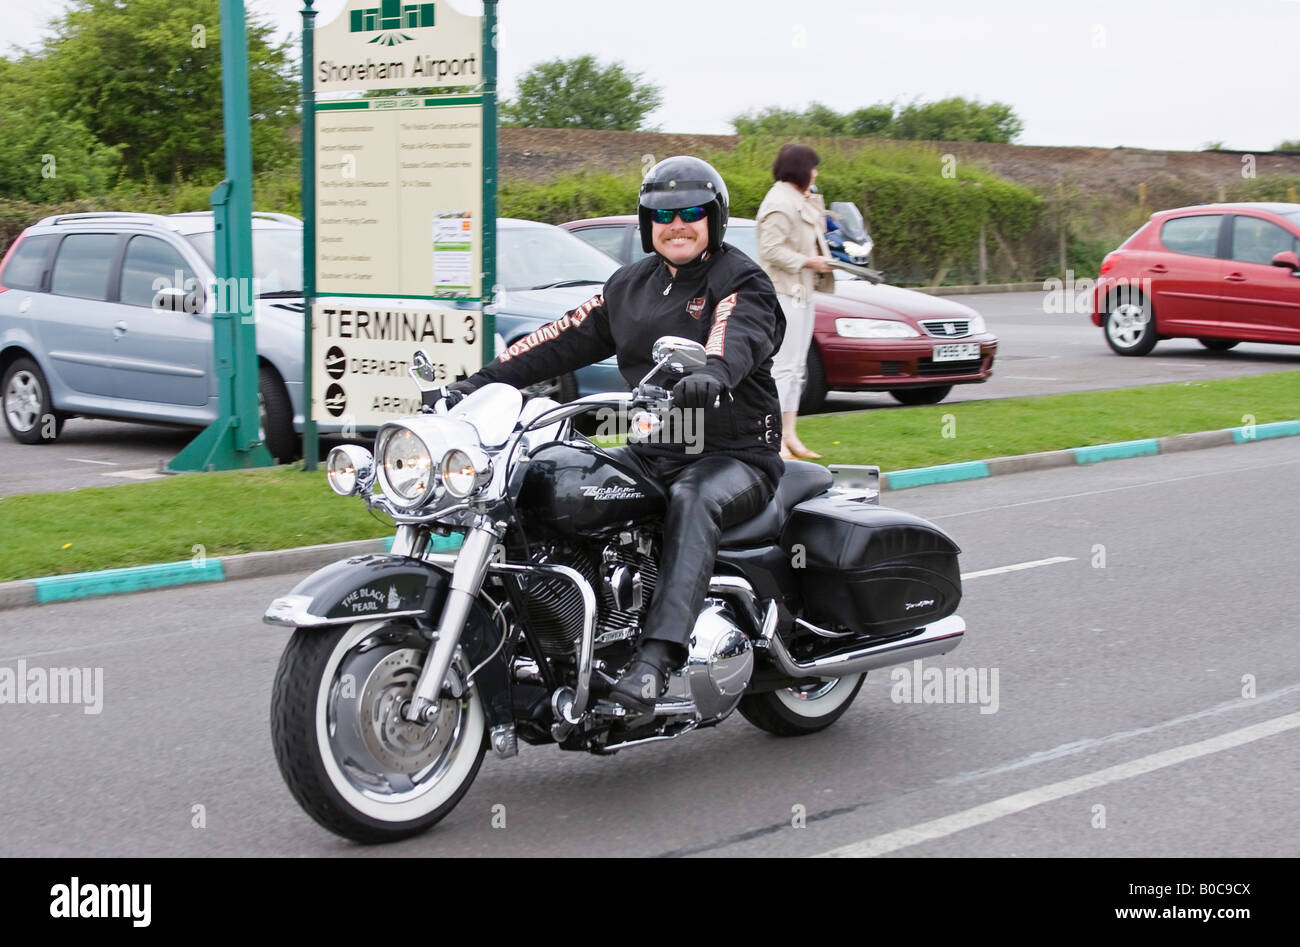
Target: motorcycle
x=404 y=668
x=846 y=234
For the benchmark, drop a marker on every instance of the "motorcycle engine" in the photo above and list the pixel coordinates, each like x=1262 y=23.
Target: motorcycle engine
x=720 y=665
x=622 y=574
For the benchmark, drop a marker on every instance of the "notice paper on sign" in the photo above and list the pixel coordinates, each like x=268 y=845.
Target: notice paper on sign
x=453 y=256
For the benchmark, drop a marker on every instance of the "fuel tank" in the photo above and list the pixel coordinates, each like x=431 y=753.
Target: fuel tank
x=577 y=489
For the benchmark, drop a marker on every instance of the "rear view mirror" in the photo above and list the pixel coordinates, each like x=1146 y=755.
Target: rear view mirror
x=684 y=355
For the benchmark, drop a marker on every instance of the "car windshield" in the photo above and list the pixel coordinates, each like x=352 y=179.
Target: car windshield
x=277 y=259
x=744 y=239
x=542 y=257
x=1293 y=217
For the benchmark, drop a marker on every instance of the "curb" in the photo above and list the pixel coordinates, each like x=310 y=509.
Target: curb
x=81 y=585
x=1081 y=456
x=981 y=288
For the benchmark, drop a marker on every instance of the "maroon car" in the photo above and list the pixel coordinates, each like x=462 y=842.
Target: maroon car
x=867 y=336
x=1219 y=273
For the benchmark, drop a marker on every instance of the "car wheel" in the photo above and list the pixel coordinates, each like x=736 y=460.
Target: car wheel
x=931 y=395
x=29 y=412
x=1130 y=327
x=275 y=415
x=814 y=386
x=1219 y=345
x=563 y=389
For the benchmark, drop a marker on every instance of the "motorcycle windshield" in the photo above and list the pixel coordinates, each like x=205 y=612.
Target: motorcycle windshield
x=493 y=410
x=850 y=221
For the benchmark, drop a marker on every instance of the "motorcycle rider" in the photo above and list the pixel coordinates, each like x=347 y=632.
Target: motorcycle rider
x=697 y=287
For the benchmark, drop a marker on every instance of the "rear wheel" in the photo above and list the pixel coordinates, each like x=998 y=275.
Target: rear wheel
x=1130 y=327
x=802 y=709
x=29 y=413
x=932 y=395
x=351 y=760
x=1219 y=345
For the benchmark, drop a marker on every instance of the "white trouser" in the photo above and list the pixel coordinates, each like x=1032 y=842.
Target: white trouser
x=790 y=364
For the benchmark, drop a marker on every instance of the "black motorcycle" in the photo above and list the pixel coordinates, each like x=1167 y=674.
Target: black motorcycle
x=404 y=668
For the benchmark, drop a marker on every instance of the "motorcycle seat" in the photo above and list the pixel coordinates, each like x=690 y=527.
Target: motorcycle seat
x=800 y=481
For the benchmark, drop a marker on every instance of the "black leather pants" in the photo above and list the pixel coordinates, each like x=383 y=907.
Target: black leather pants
x=706 y=494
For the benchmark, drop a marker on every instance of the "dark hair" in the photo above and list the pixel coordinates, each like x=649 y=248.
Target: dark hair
x=794 y=163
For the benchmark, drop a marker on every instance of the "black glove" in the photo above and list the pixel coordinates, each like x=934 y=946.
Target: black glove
x=452 y=395
x=697 y=391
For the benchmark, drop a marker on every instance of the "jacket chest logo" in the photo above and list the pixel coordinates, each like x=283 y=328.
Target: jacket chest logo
x=695 y=308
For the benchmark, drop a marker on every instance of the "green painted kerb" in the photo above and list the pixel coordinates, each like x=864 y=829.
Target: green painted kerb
x=944 y=473
x=1262 y=432
x=436 y=543
x=59 y=588
x=1091 y=455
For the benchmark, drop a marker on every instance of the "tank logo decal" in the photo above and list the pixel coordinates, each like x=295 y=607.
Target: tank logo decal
x=911 y=605
x=613 y=493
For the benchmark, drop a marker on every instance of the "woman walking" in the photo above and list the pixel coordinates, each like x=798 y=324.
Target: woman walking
x=792 y=251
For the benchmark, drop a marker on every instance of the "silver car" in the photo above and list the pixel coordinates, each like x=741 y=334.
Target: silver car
x=109 y=315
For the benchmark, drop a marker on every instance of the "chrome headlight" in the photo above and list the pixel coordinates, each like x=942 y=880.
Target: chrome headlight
x=349 y=469
x=405 y=467
x=977 y=325
x=874 y=329
x=464 y=470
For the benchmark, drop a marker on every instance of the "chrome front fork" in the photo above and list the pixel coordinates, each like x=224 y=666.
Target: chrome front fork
x=466 y=580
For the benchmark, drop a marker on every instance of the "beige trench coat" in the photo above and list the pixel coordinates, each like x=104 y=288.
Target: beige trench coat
x=791 y=228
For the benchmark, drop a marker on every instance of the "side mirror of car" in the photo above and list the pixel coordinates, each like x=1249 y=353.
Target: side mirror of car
x=1288 y=258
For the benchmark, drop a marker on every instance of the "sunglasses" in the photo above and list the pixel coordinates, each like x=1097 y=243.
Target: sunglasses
x=689 y=215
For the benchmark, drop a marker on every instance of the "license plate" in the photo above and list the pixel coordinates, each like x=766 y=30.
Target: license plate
x=957 y=352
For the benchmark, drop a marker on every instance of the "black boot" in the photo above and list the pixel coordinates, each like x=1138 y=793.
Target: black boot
x=646 y=678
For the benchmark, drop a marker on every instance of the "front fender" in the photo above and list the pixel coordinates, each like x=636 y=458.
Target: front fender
x=362 y=588
x=365 y=588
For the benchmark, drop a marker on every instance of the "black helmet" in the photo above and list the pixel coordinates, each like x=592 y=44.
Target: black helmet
x=680 y=182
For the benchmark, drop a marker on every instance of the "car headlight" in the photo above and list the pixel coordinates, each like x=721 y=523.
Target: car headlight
x=464 y=471
x=977 y=325
x=405 y=466
x=349 y=469
x=874 y=329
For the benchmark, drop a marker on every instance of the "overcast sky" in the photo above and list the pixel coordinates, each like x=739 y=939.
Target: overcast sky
x=1165 y=74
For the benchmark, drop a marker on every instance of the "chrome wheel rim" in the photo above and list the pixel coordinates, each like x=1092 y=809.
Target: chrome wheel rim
x=1126 y=324
x=384 y=765
x=23 y=401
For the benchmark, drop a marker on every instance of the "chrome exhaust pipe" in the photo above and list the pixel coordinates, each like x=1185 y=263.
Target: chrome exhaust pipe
x=939 y=637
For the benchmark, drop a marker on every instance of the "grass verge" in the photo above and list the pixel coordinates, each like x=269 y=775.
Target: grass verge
x=246 y=511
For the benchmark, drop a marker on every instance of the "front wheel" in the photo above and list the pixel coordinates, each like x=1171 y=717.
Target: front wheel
x=351 y=760
x=803 y=709
x=814 y=387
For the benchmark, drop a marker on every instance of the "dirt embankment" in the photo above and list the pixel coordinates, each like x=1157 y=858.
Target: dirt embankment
x=538 y=154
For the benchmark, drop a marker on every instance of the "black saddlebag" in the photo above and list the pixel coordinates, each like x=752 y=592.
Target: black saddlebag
x=870 y=569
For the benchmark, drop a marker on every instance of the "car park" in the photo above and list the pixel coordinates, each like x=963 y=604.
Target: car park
x=86 y=331
x=1219 y=273
x=867 y=336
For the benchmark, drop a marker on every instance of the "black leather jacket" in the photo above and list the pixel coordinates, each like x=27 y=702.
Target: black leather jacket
x=725 y=302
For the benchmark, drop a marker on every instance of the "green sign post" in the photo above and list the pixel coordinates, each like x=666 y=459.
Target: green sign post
x=233 y=439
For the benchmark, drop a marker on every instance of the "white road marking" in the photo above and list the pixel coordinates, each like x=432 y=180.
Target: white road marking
x=1131 y=486
x=105 y=463
x=144 y=473
x=1017 y=567
x=1092 y=743
x=1011 y=805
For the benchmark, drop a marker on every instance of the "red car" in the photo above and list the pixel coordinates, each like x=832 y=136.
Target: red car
x=1219 y=273
x=867 y=336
